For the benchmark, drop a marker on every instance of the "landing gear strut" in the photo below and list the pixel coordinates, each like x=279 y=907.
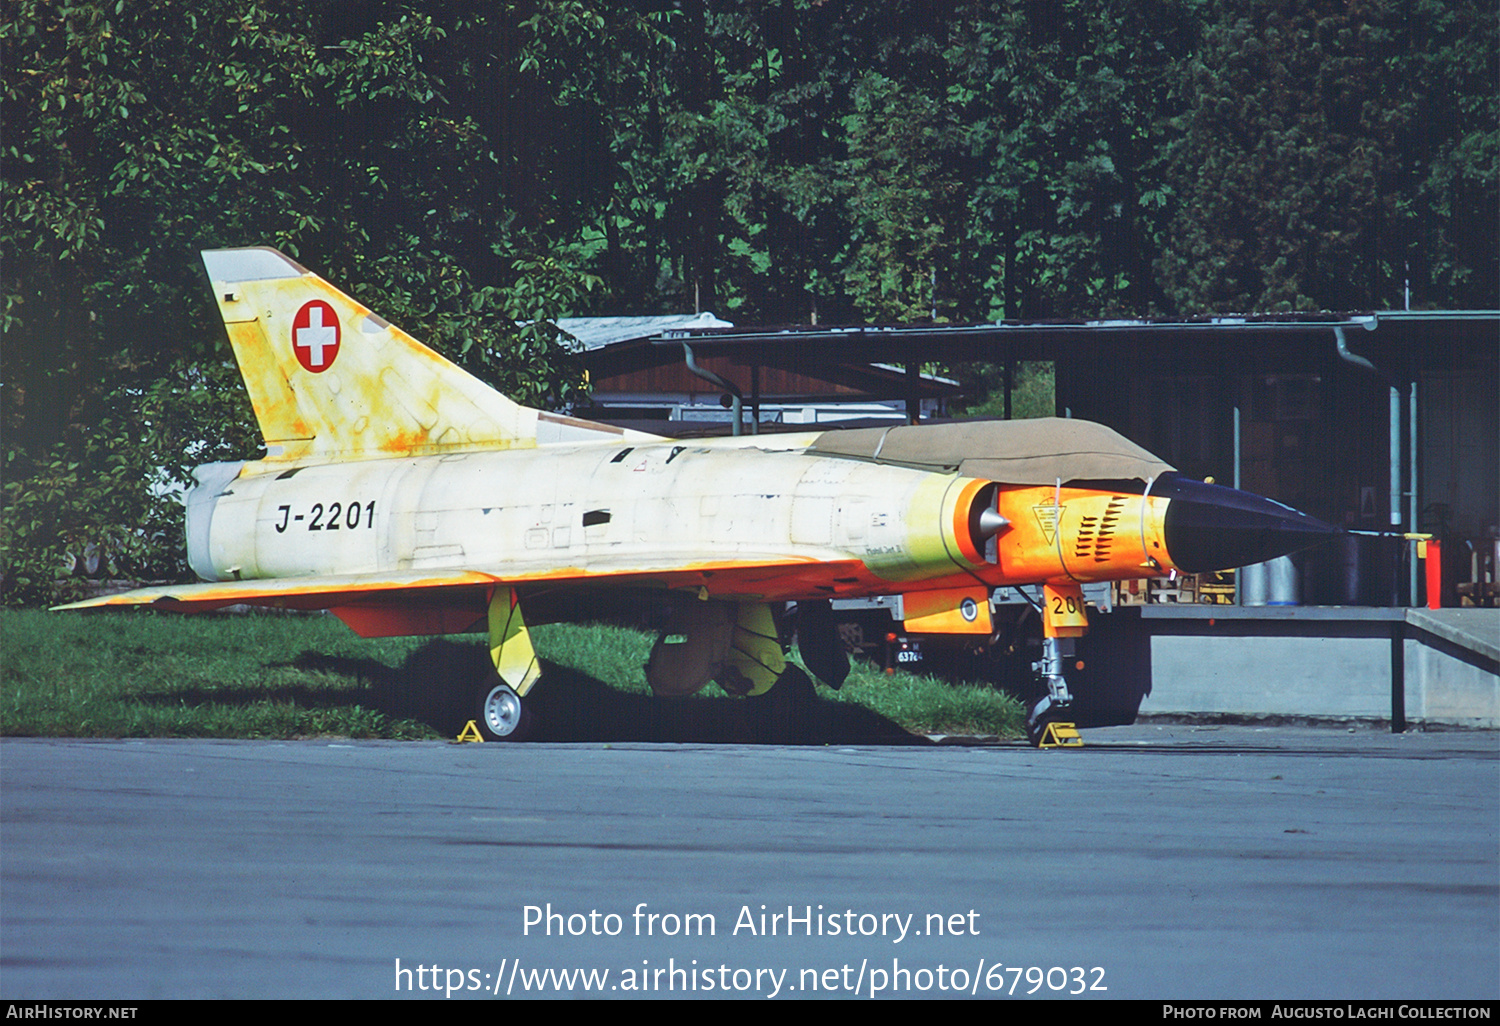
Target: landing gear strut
x=502 y=716
x=1053 y=706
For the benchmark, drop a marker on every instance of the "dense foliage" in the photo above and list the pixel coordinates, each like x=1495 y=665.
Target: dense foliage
x=465 y=167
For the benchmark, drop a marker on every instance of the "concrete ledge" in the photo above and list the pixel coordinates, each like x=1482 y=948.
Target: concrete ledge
x=1271 y=614
x=1474 y=629
x=1395 y=666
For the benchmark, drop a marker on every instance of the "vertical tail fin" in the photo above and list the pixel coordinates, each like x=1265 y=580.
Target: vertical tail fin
x=329 y=379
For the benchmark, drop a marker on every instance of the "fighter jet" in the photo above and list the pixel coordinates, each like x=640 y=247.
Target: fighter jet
x=409 y=498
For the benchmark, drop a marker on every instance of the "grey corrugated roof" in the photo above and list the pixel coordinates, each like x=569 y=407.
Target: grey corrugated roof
x=1386 y=333
x=598 y=332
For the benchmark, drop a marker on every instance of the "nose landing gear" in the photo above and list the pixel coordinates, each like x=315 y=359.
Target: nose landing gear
x=1064 y=621
x=1053 y=706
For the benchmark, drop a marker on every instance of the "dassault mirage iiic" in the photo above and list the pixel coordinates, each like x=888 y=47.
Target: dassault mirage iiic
x=409 y=498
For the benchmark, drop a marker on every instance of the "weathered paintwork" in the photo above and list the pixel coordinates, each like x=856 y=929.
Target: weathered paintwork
x=566 y=511
x=737 y=521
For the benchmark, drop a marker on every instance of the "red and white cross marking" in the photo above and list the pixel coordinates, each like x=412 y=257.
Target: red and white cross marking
x=315 y=336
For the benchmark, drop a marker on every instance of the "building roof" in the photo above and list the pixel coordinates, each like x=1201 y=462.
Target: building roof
x=1390 y=331
x=597 y=332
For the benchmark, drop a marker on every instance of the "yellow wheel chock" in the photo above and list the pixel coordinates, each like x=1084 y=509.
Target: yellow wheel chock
x=1060 y=735
x=469 y=733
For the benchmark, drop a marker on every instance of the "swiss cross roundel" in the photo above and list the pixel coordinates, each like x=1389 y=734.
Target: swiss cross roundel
x=315 y=336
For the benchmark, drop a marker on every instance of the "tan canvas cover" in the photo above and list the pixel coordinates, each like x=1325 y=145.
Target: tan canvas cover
x=1022 y=452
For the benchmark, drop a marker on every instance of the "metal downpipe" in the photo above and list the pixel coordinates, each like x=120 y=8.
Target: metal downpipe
x=736 y=400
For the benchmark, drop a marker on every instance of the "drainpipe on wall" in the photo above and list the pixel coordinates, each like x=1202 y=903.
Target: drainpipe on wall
x=736 y=401
x=1341 y=344
x=1411 y=493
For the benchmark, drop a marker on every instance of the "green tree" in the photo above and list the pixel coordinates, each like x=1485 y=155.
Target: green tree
x=1066 y=110
x=1327 y=147
x=475 y=172
x=900 y=196
x=138 y=135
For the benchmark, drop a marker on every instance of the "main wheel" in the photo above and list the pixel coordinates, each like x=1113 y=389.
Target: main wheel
x=502 y=714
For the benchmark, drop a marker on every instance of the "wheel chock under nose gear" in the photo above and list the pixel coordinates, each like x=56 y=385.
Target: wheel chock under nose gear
x=469 y=733
x=1060 y=735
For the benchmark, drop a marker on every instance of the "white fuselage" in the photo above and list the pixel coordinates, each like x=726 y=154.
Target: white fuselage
x=589 y=509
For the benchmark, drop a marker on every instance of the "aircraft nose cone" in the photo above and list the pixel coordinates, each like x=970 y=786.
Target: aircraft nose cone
x=1210 y=527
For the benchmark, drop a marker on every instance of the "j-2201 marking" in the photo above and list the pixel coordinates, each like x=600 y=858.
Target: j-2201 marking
x=335 y=517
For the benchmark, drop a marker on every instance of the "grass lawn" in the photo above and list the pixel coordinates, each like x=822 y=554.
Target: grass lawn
x=147 y=674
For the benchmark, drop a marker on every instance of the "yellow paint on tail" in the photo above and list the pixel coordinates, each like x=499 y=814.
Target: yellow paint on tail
x=331 y=380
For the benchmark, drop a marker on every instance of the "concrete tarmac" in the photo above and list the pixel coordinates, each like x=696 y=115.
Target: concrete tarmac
x=1158 y=862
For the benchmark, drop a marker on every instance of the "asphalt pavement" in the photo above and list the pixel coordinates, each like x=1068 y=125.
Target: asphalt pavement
x=1157 y=862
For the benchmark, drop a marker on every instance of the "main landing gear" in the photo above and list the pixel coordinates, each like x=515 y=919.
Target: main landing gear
x=500 y=712
x=736 y=644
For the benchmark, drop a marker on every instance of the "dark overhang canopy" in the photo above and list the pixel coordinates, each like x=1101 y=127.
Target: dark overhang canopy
x=1395 y=340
